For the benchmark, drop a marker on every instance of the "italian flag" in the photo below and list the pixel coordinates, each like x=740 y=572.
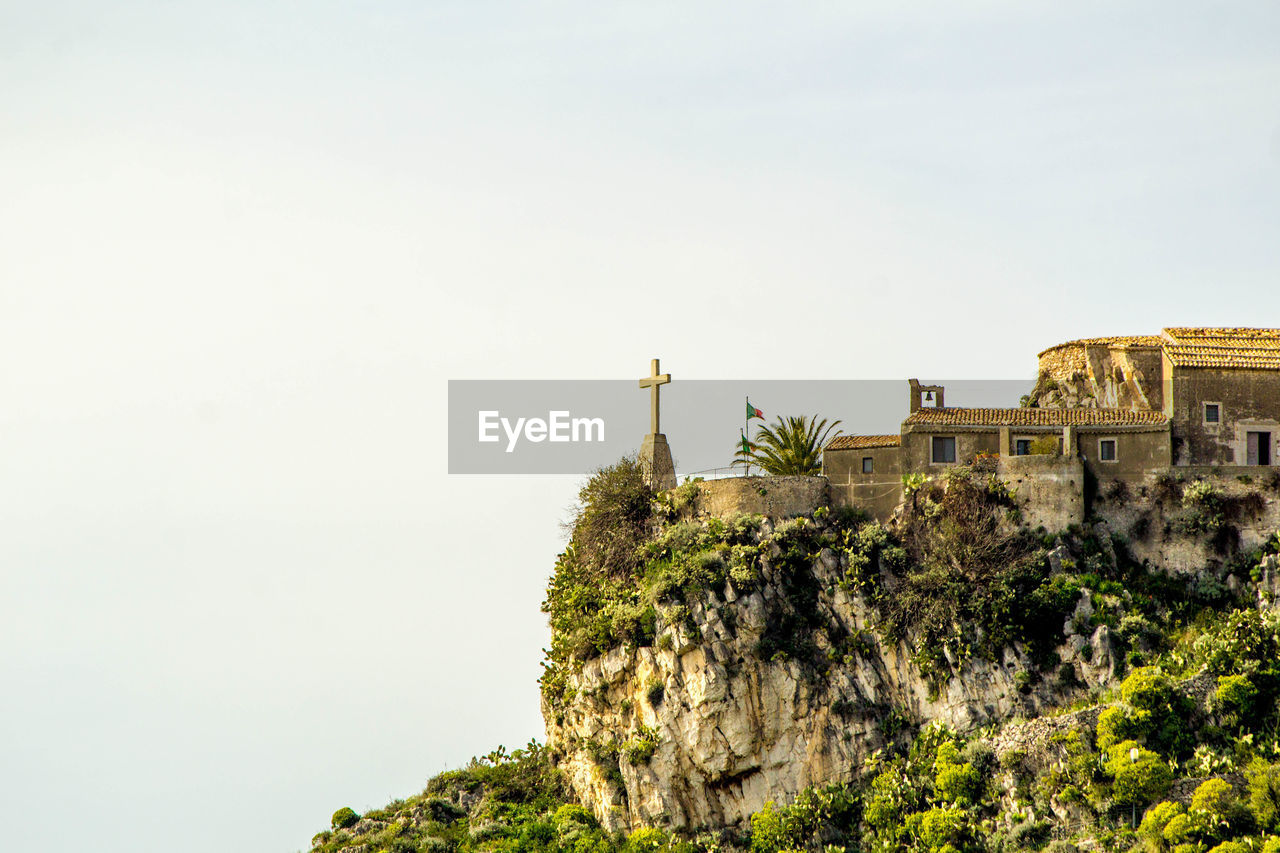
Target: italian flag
x=753 y=412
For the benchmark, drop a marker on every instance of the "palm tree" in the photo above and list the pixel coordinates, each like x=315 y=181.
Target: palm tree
x=790 y=445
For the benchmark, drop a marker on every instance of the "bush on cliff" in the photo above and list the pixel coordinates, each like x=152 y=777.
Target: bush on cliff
x=502 y=801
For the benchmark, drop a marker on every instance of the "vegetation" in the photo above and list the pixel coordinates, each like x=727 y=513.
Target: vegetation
x=791 y=445
x=1187 y=747
x=503 y=801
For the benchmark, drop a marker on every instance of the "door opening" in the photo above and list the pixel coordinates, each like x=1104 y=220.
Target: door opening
x=1258 y=448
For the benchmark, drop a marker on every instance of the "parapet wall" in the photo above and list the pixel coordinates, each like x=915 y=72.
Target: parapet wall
x=776 y=497
x=1049 y=489
x=1063 y=361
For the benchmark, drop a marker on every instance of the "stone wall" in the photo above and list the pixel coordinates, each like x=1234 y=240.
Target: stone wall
x=1049 y=489
x=879 y=492
x=1249 y=400
x=917 y=446
x=776 y=497
x=1138 y=453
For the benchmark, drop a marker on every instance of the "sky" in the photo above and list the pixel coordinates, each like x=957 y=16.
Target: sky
x=244 y=246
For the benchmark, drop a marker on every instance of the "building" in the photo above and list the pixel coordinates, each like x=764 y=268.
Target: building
x=1110 y=409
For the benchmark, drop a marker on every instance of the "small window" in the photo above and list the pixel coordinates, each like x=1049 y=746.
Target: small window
x=868 y=465
x=1107 y=449
x=1212 y=413
x=944 y=448
x=1022 y=447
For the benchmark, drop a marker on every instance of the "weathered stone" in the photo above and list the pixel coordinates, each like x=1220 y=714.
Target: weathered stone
x=736 y=730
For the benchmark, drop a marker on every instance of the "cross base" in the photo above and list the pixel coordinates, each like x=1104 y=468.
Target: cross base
x=655 y=461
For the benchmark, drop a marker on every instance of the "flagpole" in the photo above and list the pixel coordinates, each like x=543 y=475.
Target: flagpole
x=746 y=427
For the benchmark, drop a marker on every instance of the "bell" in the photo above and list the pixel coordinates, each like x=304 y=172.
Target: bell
x=928 y=396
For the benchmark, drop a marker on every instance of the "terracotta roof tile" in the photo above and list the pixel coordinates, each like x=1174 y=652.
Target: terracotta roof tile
x=1036 y=417
x=1263 y=357
x=863 y=442
x=1221 y=336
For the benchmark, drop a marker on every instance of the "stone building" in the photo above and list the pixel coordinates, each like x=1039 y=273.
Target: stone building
x=1106 y=409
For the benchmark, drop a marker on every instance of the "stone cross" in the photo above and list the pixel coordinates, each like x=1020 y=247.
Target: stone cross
x=653 y=382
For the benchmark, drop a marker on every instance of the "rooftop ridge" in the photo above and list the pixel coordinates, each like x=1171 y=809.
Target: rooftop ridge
x=966 y=416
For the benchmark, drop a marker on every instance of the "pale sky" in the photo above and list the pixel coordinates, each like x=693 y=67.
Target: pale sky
x=243 y=246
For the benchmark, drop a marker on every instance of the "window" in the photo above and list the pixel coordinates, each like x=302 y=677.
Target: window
x=1213 y=413
x=944 y=448
x=1022 y=447
x=868 y=465
x=1107 y=449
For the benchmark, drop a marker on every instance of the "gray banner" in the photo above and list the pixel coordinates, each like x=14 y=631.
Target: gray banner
x=574 y=426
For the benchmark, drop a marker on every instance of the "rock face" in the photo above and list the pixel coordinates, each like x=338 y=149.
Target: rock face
x=1112 y=373
x=701 y=729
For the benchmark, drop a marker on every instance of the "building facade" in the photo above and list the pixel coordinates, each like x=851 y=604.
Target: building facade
x=1110 y=409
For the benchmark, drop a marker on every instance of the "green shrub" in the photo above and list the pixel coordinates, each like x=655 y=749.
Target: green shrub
x=612 y=518
x=1235 y=695
x=344 y=817
x=1231 y=847
x=571 y=815
x=768 y=830
x=1013 y=760
x=1216 y=800
x=641 y=748
x=655 y=691
x=1137 y=780
x=443 y=811
x=1264 y=794
x=940 y=827
x=1030 y=833
x=1154 y=822
x=646 y=839
x=1147 y=689
x=1118 y=723
x=956 y=781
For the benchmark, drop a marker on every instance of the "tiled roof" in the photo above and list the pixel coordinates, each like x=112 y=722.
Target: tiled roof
x=1113 y=341
x=1186 y=346
x=1228 y=348
x=1228 y=358
x=863 y=442
x=1036 y=417
x=1232 y=336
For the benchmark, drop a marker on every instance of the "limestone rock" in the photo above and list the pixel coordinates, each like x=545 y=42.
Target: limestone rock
x=734 y=729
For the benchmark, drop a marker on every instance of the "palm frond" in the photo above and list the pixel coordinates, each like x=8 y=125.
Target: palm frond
x=790 y=445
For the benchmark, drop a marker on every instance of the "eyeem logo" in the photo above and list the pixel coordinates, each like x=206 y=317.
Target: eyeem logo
x=558 y=426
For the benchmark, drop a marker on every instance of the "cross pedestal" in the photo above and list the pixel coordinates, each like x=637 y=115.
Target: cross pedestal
x=655 y=460
x=655 y=453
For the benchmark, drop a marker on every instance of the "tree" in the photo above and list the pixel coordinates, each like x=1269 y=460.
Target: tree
x=791 y=445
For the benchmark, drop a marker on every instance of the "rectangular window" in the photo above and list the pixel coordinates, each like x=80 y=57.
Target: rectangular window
x=1107 y=449
x=1022 y=447
x=868 y=465
x=944 y=448
x=1212 y=413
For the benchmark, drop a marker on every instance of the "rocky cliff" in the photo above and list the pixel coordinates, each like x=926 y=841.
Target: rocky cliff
x=951 y=682
x=699 y=730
